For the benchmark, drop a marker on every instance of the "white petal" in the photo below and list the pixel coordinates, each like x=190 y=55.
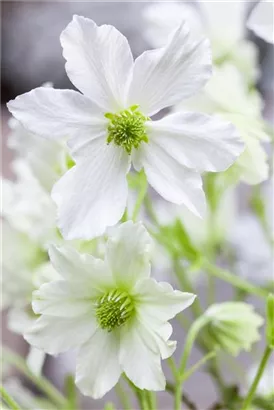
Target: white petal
x=261 y=20
x=171 y=180
x=166 y=76
x=92 y=195
x=140 y=358
x=98 y=368
x=57 y=113
x=197 y=141
x=99 y=61
x=64 y=299
x=128 y=253
x=158 y=333
x=81 y=269
x=160 y=301
x=55 y=335
x=253 y=163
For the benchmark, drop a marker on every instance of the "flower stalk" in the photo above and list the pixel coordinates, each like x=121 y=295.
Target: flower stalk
x=253 y=388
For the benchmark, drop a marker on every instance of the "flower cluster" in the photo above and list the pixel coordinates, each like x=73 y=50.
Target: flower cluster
x=81 y=279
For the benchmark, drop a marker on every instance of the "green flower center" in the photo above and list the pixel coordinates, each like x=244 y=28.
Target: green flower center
x=114 y=309
x=127 y=128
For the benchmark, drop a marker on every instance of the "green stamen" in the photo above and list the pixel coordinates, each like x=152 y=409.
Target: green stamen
x=127 y=128
x=114 y=309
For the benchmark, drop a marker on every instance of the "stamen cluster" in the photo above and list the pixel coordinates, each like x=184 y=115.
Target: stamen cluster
x=114 y=309
x=127 y=128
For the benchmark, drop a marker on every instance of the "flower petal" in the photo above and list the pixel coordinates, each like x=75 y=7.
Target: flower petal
x=57 y=113
x=57 y=334
x=197 y=141
x=99 y=61
x=128 y=252
x=64 y=299
x=170 y=179
x=261 y=20
x=81 y=269
x=92 y=195
x=166 y=76
x=160 y=301
x=140 y=358
x=98 y=368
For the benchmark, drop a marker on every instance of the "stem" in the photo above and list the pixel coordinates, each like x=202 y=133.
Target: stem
x=171 y=389
x=200 y=363
x=258 y=376
x=191 y=336
x=124 y=400
x=140 y=395
x=234 y=280
x=41 y=382
x=140 y=198
x=71 y=392
x=8 y=399
x=187 y=286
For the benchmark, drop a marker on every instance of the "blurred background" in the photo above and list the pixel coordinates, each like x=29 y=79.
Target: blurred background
x=31 y=55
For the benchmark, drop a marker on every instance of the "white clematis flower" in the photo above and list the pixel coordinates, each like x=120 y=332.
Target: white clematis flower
x=109 y=125
x=47 y=159
x=228 y=96
x=261 y=20
x=112 y=311
x=227 y=40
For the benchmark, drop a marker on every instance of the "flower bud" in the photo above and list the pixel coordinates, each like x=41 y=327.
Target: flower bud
x=234 y=326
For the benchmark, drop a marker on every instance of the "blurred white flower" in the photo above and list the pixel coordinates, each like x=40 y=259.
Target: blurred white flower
x=47 y=159
x=261 y=20
x=28 y=227
x=109 y=126
x=223 y=23
x=28 y=207
x=112 y=311
x=228 y=96
x=201 y=231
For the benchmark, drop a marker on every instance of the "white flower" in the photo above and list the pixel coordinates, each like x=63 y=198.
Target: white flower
x=28 y=207
x=201 y=231
x=47 y=159
x=227 y=95
x=109 y=126
x=227 y=38
x=112 y=311
x=261 y=20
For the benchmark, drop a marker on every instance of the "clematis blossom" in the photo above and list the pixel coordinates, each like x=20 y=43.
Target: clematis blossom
x=111 y=311
x=109 y=127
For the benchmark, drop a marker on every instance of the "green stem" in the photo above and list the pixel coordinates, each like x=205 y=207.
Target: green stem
x=122 y=395
x=151 y=399
x=42 y=383
x=171 y=389
x=8 y=399
x=191 y=336
x=186 y=285
x=71 y=392
x=140 y=198
x=234 y=280
x=197 y=365
x=258 y=376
